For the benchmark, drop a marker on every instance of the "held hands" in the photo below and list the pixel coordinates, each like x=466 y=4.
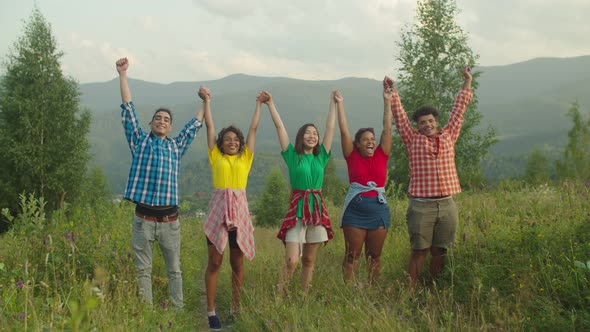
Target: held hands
x=122 y=65
x=264 y=97
x=337 y=96
x=204 y=93
x=388 y=83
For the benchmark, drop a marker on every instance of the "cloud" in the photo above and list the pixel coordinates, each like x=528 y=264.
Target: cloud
x=227 y=8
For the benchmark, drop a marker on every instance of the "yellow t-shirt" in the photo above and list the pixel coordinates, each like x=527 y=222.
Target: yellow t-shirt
x=230 y=171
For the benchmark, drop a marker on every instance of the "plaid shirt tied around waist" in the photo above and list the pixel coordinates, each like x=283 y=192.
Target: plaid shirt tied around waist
x=153 y=177
x=432 y=159
x=309 y=219
x=228 y=209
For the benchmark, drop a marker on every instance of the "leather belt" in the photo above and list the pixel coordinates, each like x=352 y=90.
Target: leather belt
x=170 y=218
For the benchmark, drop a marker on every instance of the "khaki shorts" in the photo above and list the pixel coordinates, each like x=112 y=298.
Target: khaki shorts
x=306 y=234
x=432 y=223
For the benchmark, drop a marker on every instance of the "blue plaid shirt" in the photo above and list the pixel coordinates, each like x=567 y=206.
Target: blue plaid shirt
x=153 y=177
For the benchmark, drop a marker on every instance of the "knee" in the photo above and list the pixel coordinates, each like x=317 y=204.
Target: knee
x=351 y=257
x=291 y=263
x=213 y=265
x=307 y=261
x=145 y=270
x=373 y=257
x=436 y=252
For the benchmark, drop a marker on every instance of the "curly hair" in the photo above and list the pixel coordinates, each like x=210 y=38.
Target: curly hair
x=299 y=146
x=234 y=130
x=424 y=110
x=359 y=134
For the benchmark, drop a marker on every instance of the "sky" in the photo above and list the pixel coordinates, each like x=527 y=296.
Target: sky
x=199 y=40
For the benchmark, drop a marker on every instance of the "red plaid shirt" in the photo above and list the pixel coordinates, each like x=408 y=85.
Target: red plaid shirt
x=432 y=159
x=313 y=219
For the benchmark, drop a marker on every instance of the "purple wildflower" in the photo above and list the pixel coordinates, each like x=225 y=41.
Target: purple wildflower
x=163 y=305
x=73 y=237
x=67 y=235
x=21 y=315
x=19 y=284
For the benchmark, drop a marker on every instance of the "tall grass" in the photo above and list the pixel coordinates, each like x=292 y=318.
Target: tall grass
x=513 y=267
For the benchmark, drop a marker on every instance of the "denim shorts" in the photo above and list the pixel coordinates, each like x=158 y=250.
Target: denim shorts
x=366 y=212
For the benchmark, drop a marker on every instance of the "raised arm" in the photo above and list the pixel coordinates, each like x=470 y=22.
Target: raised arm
x=251 y=140
x=122 y=65
x=387 y=120
x=400 y=118
x=330 y=125
x=468 y=78
x=205 y=95
x=345 y=139
x=266 y=98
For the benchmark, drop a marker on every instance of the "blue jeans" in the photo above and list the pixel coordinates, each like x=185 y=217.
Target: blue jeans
x=168 y=236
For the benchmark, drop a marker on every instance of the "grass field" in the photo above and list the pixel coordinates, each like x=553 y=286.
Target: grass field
x=521 y=261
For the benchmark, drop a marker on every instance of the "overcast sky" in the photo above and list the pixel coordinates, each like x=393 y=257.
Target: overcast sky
x=197 y=40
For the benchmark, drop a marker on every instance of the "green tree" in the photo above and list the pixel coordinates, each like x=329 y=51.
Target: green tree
x=42 y=128
x=271 y=206
x=537 y=168
x=432 y=53
x=576 y=157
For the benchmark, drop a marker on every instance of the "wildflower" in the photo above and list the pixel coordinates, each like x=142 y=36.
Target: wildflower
x=19 y=284
x=163 y=305
x=21 y=315
x=73 y=237
x=67 y=235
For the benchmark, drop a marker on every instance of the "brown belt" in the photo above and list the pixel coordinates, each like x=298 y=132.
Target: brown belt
x=171 y=218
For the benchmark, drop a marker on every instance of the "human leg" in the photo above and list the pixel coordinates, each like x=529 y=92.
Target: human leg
x=292 y=250
x=168 y=235
x=354 y=238
x=308 y=257
x=236 y=258
x=373 y=247
x=443 y=235
x=214 y=261
x=142 y=238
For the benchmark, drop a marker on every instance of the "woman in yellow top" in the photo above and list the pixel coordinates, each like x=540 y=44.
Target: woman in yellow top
x=228 y=218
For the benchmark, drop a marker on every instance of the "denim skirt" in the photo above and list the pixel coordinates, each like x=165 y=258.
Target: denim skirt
x=366 y=212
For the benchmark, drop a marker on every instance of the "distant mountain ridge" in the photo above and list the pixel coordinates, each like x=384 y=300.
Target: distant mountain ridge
x=526 y=102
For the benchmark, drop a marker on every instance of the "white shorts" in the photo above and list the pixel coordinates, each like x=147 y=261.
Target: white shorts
x=306 y=234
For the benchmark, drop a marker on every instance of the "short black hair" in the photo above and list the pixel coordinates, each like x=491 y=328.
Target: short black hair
x=161 y=109
x=424 y=110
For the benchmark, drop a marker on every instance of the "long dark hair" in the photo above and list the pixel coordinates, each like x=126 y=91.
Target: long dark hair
x=299 y=146
x=234 y=130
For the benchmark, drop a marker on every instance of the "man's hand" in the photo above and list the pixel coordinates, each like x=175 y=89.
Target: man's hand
x=467 y=74
x=122 y=65
x=388 y=83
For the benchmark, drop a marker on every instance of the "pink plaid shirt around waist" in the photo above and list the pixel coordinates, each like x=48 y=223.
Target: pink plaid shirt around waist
x=228 y=209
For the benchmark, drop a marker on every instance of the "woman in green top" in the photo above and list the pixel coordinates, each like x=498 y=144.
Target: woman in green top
x=306 y=224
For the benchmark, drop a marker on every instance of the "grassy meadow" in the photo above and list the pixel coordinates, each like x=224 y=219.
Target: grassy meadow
x=521 y=262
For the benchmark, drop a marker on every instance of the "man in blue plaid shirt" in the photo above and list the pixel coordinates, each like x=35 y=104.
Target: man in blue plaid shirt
x=153 y=186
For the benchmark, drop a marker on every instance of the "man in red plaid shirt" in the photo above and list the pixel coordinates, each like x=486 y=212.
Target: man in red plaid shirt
x=432 y=214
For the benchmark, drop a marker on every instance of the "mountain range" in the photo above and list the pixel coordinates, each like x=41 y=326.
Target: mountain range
x=525 y=102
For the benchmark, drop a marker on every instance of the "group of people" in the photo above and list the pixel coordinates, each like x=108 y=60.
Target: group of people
x=153 y=185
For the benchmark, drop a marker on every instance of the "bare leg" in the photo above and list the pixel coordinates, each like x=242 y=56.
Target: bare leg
x=353 y=238
x=373 y=247
x=416 y=265
x=310 y=251
x=236 y=257
x=286 y=272
x=437 y=261
x=211 y=273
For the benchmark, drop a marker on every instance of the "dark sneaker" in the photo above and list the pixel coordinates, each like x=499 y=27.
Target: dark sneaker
x=214 y=323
